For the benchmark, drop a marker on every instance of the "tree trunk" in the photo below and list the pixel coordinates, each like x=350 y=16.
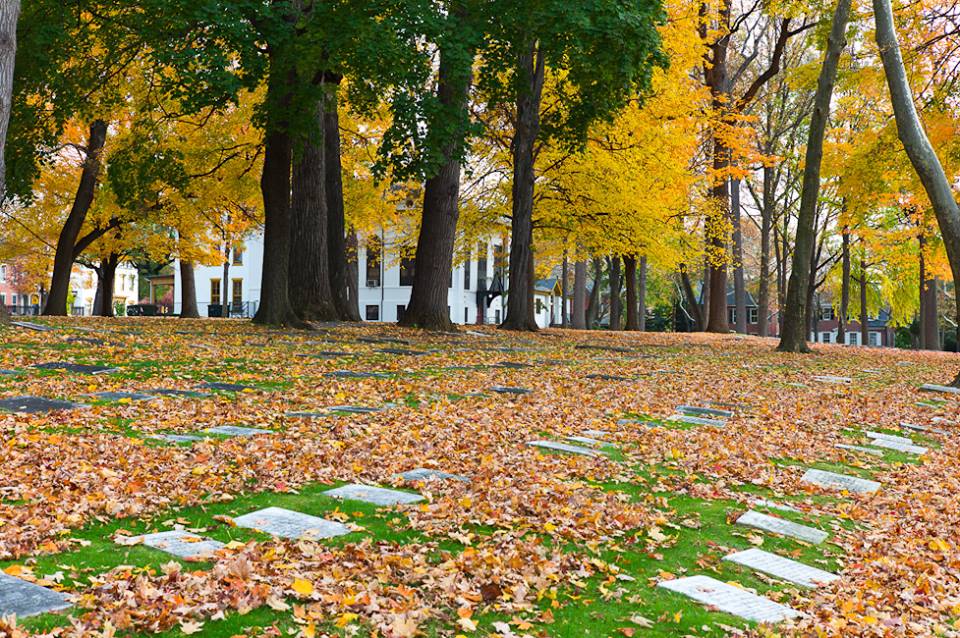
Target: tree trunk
x=188 y=291
x=429 y=305
x=66 y=243
x=642 y=296
x=739 y=287
x=579 y=319
x=794 y=328
x=520 y=302
x=691 y=299
x=615 y=308
x=707 y=292
x=810 y=309
x=915 y=142
x=630 y=274
x=353 y=274
x=275 y=308
x=593 y=305
x=864 y=316
x=564 y=278
x=929 y=328
x=340 y=280
x=9 y=12
x=224 y=281
x=766 y=227
x=310 y=293
x=844 y=286
x=106 y=276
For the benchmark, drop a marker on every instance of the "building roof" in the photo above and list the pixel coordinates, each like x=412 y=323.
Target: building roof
x=731 y=297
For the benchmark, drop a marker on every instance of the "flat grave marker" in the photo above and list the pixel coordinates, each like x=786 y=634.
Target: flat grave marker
x=696 y=410
x=236 y=430
x=119 y=396
x=782 y=568
x=503 y=389
x=178 y=542
x=226 y=387
x=37 y=405
x=563 y=447
x=897 y=446
x=783 y=527
x=829 y=378
x=177 y=438
x=730 y=599
x=22 y=599
x=944 y=389
x=79 y=368
x=833 y=480
x=426 y=474
x=351 y=374
x=284 y=523
x=370 y=494
x=168 y=392
x=903 y=440
x=39 y=327
x=859 y=448
x=696 y=420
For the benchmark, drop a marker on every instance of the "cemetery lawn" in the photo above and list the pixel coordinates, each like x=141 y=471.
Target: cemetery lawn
x=674 y=438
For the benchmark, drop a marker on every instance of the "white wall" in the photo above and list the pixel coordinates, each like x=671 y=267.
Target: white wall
x=83 y=284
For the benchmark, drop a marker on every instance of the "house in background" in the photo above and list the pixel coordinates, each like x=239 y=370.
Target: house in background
x=753 y=314
x=880 y=333
x=83 y=285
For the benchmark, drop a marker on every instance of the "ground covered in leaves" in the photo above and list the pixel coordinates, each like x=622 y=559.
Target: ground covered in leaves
x=534 y=543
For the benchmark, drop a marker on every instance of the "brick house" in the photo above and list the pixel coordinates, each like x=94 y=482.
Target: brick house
x=881 y=333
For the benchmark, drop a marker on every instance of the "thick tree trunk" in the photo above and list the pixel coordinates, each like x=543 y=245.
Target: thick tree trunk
x=188 y=291
x=630 y=274
x=564 y=279
x=430 y=299
x=106 y=276
x=340 y=280
x=642 y=295
x=794 y=327
x=9 y=12
x=579 y=319
x=615 y=308
x=353 y=274
x=275 y=308
x=844 y=286
x=766 y=227
x=593 y=304
x=707 y=292
x=810 y=313
x=739 y=286
x=691 y=298
x=915 y=142
x=520 y=302
x=66 y=244
x=864 y=316
x=225 y=281
x=310 y=293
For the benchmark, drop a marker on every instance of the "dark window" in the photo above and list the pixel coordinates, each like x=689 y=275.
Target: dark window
x=215 y=292
x=466 y=273
x=732 y=315
x=373 y=313
x=407 y=268
x=400 y=311
x=373 y=263
x=826 y=314
x=482 y=266
x=237 y=256
x=466 y=314
x=753 y=315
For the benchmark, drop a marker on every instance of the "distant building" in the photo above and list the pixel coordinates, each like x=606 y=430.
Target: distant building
x=880 y=333
x=753 y=314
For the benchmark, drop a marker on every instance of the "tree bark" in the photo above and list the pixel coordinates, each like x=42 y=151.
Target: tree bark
x=739 y=287
x=579 y=319
x=67 y=241
x=310 y=292
x=929 y=328
x=766 y=227
x=615 y=308
x=864 y=316
x=630 y=274
x=275 y=308
x=106 y=276
x=642 y=295
x=224 y=281
x=347 y=305
x=844 y=286
x=794 y=328
x=593 y=305
x=520 y=302
x=429 y=305
x=564 y=278
x=9 y=12
x=188 y=291
x=691 y=298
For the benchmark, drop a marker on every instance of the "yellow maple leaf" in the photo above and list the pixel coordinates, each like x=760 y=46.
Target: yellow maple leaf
x=302 y=586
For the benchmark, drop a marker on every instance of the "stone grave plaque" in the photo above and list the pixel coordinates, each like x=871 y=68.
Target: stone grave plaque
x=512 y=365
x=903 y=440
x=36 y=405
x=236 y=430
x=829 y=378
x=87 y=340
x=833 y=480
x=351 y=374
x=9 y=373
x=563 y=447
x=352 y=409
x=177 y=438
x=924 y=428
x=167 y=392
x=782 y=568
x=22 y=599
x=730 y=599
x=694 y=410
x=908 y=448
x=426 y=474
x=179 y=543
x=783 y=527
x=601 y=348
x=284 y=523
x=226 y=387
x=308 y=415
x=383 y=340
x=39 y=327
x=596 y=434
x=859 y=448
x=608 y=377
x=945 y=389
x=118 y=396
x=696 y=420
x=503 y=389
x=375 y=495
x=79 y=368
x=403 y=352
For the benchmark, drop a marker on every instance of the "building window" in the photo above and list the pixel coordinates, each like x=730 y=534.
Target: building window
x=215 y=292
x=374 y=272
x=466 y=272
x=3 y=299
x=853 y=338
x=400 y=311
x=482 y=266
x=237 y=256
x=466 y=315
x=3 y=272
x=372 y=313
x=826 y=314
x=753 y=315
x=14 y=299
x=407 y=268
x=496 y=316
x=874 y=339
x=825 y=337
x=732 y=315
x=236 y=291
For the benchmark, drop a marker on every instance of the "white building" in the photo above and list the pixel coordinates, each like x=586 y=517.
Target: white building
x=83 y=285
x=384 y=286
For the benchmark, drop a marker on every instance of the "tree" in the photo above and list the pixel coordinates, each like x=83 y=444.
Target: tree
x=9 y=12
x=794 y=336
